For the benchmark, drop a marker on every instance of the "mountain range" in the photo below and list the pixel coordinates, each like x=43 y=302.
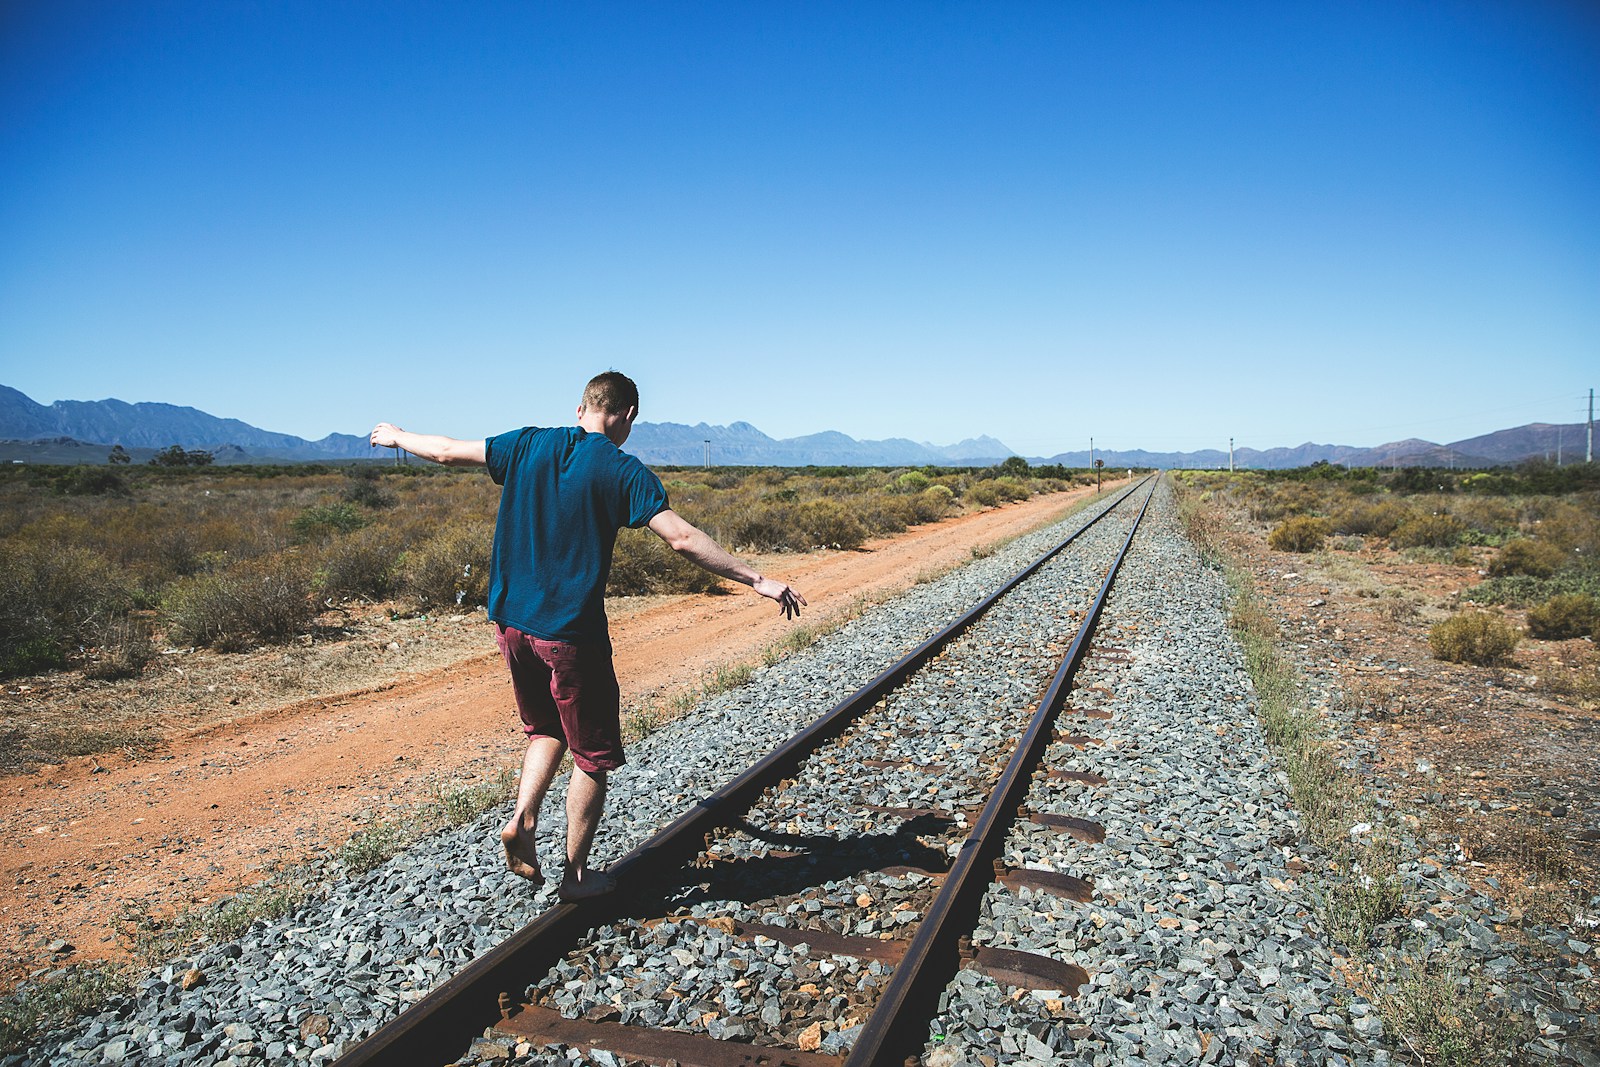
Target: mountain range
x=83 y=431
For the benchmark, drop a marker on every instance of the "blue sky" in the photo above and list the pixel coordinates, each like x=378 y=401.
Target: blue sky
x=1161 y=225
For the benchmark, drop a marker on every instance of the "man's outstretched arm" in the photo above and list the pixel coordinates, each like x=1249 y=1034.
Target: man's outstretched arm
x=695 y=545
x=446 y=450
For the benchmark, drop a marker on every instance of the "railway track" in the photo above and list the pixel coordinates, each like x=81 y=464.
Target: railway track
x=813 y=911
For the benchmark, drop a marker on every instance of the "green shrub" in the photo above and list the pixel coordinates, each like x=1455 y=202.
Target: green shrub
x=642 y=564
x=1375 y=518
x=1428 y=531
x=1473 y=637
x=1299 y=534
x=1524 y=590
x=1527 y=556
x=1564 y=616
x=449 y=570
x=50 y=596
x=912 y=482
x=266 y=599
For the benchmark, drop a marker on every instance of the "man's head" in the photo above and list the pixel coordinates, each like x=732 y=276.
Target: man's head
x=609 y=405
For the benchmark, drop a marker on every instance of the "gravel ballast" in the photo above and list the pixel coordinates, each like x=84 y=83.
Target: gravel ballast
x=1200 y=942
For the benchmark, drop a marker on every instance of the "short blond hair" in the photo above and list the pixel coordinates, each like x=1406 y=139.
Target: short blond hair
x=612 y=393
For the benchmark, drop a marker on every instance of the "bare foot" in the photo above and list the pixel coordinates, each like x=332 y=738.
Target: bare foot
x=583 y=883
x=521 y=858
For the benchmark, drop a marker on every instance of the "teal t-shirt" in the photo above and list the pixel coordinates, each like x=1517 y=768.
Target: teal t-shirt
x=565 y=493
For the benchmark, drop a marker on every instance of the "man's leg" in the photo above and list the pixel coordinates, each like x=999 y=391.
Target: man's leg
x=586 y=800
x=539 y=765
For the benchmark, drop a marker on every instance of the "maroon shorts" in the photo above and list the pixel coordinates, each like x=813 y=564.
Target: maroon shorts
x=568 y=692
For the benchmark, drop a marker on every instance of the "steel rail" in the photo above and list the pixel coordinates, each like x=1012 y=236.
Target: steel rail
x=437 y=1028
x=897 y=1028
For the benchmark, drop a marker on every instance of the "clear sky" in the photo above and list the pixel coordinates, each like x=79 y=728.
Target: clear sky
x=1157 y=224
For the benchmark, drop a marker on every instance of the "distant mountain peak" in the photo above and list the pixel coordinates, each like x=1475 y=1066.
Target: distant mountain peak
x=96 y=424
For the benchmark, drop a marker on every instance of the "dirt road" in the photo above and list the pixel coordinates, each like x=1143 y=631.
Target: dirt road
x=213 y=811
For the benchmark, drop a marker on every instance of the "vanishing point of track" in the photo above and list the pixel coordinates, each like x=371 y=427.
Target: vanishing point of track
x=926 y=878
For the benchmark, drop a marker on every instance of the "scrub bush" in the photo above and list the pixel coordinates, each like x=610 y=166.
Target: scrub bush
x=363 y=486
x=1428 y=531
x=1473 y=637
x=933 y=502
x=1011 y=489
x=253 y=601
x=984 y=494
x=828 y=524
x=359 y=564
x=450 y=570
x=1564 y=616
x=912 y=482
x=642 y=564
x=325 y=520
x=1375 y=518
x=1527 y=556
x=1299 y=534
x=763 y=528
x=50 y=596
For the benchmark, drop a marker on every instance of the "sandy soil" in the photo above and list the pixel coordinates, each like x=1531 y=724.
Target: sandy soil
x=217 y=806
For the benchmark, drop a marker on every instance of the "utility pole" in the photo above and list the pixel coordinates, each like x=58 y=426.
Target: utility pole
x=1588 y=456
x=708 y=454
x=1230 y=455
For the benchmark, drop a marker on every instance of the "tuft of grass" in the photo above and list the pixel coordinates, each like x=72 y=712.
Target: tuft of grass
x=122 y=649
x=1367 y=894
x=70 y=993
x=1581 y=687
x=1446 y=1016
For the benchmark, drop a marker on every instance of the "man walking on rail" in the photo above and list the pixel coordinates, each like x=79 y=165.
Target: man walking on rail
x=566 y=491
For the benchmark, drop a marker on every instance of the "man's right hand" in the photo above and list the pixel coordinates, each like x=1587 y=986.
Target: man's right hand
x=383 y=435
x=788 y=599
